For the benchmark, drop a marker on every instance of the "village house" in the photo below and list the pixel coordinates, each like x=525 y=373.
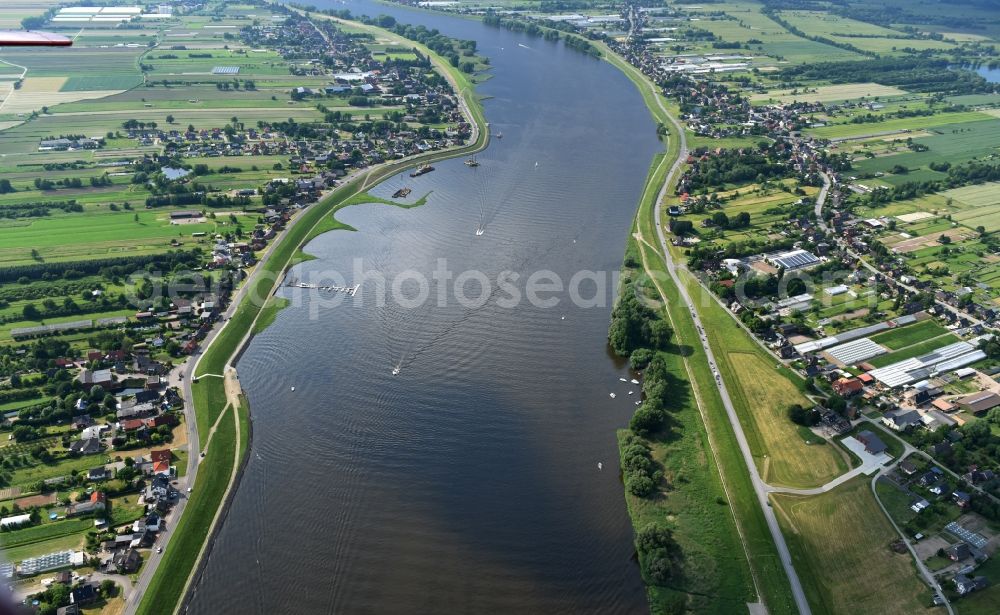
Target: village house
x=901 y=420
x=94 y=504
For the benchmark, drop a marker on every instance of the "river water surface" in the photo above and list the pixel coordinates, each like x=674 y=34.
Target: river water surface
x=469 y=481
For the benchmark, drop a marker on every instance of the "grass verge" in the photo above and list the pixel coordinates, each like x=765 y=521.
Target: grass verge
x=193 y=529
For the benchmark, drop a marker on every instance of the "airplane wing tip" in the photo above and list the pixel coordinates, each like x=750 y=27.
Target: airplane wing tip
x=19 y=38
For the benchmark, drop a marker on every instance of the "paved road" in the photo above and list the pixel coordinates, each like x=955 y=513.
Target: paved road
x=760 y=488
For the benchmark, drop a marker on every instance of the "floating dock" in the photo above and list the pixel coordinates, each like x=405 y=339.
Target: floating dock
x=349 y=290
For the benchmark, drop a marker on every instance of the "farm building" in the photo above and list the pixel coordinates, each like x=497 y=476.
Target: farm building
x=853 y=334
x=943 y=359
x=979 y=402
x=14 y=521
x=856 y=351
x=52 y=561
x=793 y=259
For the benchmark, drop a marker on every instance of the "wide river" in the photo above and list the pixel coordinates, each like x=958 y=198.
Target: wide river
x=469 y=482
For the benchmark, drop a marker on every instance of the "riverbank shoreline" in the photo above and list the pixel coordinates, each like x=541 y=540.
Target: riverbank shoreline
x=770 y=585
x=238 y=328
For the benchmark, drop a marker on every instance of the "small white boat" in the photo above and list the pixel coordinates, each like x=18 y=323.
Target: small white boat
x=293 y=388
x=631 y=392
x=638 y=402
x=480 y=231
x=600 y=466
x=634 y=381
x=395 y=371
x=623 y=379
x=612 y=395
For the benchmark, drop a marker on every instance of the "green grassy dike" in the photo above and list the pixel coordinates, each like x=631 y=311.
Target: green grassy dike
x=209 y=397
x=214 y=473
x=715 y=576
x=706 y=523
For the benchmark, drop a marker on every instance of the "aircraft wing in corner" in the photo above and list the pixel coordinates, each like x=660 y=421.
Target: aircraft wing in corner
x=20 y=38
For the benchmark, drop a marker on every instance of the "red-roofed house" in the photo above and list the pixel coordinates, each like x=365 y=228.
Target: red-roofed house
x=160 y=455
x=132 y=424
x=163 y=419
x=845 y=387
x=161 y=461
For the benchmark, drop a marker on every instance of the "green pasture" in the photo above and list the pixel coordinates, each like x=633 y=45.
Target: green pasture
x=96 y=235
x=954 y=143
x=846 y=131
x=85 y=62
x=900 y=337
x=922 y=347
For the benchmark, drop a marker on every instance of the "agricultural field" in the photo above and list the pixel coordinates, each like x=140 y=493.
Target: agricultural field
x=950 y=142
x=829 y=93
x=848 y=574
x=921 y=346
x=900 y=337
x=13 y=11
x=978 y=205
x=860 y=34
x=73 y=237
x=744 y=22
x=943 y=122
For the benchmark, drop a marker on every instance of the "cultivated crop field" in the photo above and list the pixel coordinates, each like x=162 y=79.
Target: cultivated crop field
x=954 y=143
x=767 y=397
x=900 y=337
x=872 y=37
x=72 y=236
x=853 y=131
x=776 y=41
x=978 y=205
x=921 y=347
x=85 y=61
x=840 y=546
x=830 y=93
